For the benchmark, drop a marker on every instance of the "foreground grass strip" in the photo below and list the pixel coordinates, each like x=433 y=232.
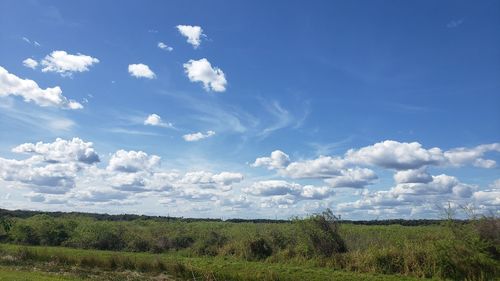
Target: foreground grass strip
x=12 y=274
x=203 y=268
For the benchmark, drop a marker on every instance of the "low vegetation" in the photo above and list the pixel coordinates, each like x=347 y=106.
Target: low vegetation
x=318 y=247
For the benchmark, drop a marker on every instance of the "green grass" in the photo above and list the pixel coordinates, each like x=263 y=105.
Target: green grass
x=14 y=274
x=207 y=268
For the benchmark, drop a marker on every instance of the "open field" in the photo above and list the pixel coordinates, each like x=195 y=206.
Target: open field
x=77 y=264
x=314 y=248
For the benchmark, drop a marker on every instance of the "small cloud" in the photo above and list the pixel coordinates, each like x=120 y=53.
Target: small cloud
x=192 y=33
x=30 y=63
x=213 y=78
x=165 y=47
x=155 y=120
x=141 y=70
x=198 y=136
x=34 y=43
x=66 y=64
x=455 y=23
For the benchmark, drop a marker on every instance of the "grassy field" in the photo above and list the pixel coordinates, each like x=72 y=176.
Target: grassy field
x=313 y=248
x=75 y=264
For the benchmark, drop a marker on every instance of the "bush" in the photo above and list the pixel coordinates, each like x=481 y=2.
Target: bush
x=260 y=249
x=488 y=229
x=322 y=234
x=24 y=234
x=211 y=244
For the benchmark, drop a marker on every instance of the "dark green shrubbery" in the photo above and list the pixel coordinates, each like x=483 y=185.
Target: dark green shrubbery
x=470 y=253
x=259 y=249
x=210 y=244
x=322 y=234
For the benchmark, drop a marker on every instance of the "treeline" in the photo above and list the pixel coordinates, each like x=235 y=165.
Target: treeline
x=131 y=217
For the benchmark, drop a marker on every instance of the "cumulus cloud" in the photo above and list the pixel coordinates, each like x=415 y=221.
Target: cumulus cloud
x=395 y=155
x=273 y=187
x=277 y=160
x=321 y=167
x=213 y=78
x=155 y=120
x=198 y=136
x=412 y=176
x=240 y=202
x=489 y=197
x=413 y=198
x=462 y=155
x=141 y=70
x=192 y=33
x=316 y=192
x=227 y=178
x=30 y=63
x=29 y=90
x=204 y=179
x=61 y=151
x=132 y=161
x=66 y=64
x=165 y=47
x=441 y=184
x=52 y=168
x=353 y=178
x=293 y=191
x=280 y=201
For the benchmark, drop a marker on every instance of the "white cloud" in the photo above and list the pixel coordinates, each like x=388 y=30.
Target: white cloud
x=203 y=179
x=53 y=167
x=489 y=198
x=462 y=155
x=240 y=202
x=413 y=198
x=30 y=63
x=412 y=176
x=132 y=161
x=274 y=187
x=227 y=178
x=321 y=167
x=66 y=64
x=441 y=184
x=395 y=155
x=279 y=201
x=61 y=151
x=141 y=71
x=155 y=120
x=353 y=178
x=198 y=136
x=31 y=92
x=165 y=47
x=277 y=160
x=27 y=40
x=192 y=33
x=316 y=193
x=201 y=70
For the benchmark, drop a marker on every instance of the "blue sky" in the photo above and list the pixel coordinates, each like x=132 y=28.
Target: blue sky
x=376 y=109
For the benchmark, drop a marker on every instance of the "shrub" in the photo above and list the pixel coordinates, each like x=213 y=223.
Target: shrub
x=182 y=242
x=260 y=249
x=24 y=234
x=322 y=234
x=488 y=229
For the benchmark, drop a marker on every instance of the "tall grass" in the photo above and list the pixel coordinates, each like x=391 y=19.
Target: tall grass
x=456 y=251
